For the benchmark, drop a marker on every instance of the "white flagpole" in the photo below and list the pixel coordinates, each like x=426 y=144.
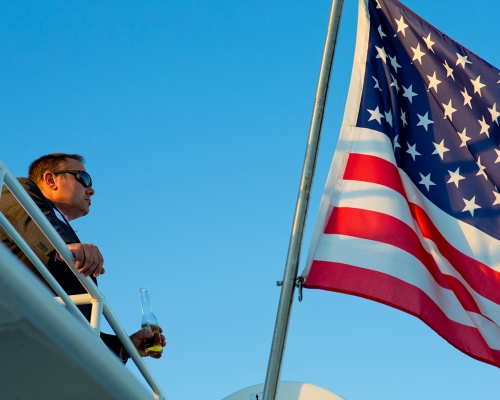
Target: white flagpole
x=292 y=262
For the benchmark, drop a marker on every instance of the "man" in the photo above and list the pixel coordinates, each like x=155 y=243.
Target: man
x=62 y=189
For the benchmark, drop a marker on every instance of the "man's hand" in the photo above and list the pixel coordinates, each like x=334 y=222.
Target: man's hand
x=88 y=259
x=138 y=341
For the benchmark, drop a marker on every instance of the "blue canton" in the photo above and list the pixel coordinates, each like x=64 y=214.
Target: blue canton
x=440 y=106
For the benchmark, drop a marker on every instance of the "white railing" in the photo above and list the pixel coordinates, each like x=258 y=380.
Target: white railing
x=94 y=296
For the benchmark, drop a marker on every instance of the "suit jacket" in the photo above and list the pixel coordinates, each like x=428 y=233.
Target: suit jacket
x=42 y=247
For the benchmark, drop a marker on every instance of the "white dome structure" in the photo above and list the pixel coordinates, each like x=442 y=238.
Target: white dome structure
x=286 y=391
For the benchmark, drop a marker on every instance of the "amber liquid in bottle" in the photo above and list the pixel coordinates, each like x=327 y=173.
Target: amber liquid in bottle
x=152 y=345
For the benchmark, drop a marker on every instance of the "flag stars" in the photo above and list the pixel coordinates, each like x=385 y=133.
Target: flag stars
x=478 y=85
x=433 y=82
x=426 y=181
x=467 y=98
x=497 y=198
x=494 y=113
x=482 y=169
x=498 y=156
x=376 y=115
x=417 y=54
x=395 y=83
x=388 y=117
x=455 y=177
x=484 y=127
x=429 y=42
x=380 y=32
x=381 y=54
x=449 y=70
x=377 y=85
x=463 y=137
x=403 y=117
x=448 y=110
x=462 y=60
x=396 y=142
x=424 y=120
x=394 y=63
x=401 y=25
x=408 y=93
x=412 y=150
x=470 y=205
x=440 y=149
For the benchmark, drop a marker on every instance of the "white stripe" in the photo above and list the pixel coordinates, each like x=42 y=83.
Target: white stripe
x=488 y=308
x=387 y=201
x=390 y=260
x=374 y=197
x=464 y=237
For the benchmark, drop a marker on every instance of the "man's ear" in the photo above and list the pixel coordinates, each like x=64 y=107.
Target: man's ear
x=49 y=180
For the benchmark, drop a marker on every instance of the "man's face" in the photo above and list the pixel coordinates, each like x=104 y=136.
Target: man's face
x=71 y=197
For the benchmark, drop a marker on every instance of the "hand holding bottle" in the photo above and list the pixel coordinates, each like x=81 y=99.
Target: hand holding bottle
x=139 y=341
x=153 y=344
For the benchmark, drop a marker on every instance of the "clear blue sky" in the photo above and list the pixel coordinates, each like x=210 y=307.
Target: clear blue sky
x=193 y=117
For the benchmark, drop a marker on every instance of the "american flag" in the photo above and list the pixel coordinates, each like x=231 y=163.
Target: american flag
x=410 y=216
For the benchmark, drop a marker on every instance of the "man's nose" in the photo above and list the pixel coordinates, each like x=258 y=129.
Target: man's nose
x=90 y=191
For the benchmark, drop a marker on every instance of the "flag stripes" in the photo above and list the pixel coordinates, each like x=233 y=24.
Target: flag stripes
x=413 y=251
x=371 y=285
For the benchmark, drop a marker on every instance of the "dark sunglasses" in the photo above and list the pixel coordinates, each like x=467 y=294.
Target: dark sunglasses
x=81 y=176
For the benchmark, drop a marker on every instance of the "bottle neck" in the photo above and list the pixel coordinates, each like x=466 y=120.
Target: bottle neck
x=146 y=304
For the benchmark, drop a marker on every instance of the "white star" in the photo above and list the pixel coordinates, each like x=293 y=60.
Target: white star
x=481 y=168
x=396 y=142
x=449 y=70
x=381 y=54
x=375 y=114
x=448 y=110
x=470 y=205
x=440 y=149
x=463 y=137
x=429 y=42
x=377 y=86
x=395 y=83
x=497 y=198
x=388 y=117
x=417 y=54
x=484 y=127
x=433 y=81
x=494 y=113
x=382 y=34
x=455 y=177
x=403 y=117
x=394 y=63
x=462 y=60
x=408 y=92
x=498 y=156
x=467 y=98
x=426 y=180
x=478 y=85
x=412 y=150
x=401 y=25
x=424 y=120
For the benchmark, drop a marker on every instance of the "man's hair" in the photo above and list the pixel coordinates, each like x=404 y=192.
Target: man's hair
x=49 y=162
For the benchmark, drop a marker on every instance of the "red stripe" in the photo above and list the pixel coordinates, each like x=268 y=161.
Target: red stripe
x=480 y=277
x=391 y=291
x=384 y=228
x=373 y=169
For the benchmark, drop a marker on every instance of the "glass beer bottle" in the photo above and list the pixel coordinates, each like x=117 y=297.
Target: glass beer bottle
x=149 y=321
